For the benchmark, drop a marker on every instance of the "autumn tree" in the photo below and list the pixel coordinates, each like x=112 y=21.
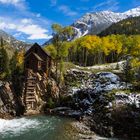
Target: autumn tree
x=91 y=49
x=17 y=61
x=51 y=50
x=61 y=36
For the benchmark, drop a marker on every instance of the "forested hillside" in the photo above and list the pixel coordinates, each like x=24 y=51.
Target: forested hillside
x=11 y=60
x=130 y=26
x=91 y=50
x=11 y=44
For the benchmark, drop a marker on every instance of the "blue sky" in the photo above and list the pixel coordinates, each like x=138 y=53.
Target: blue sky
x=31 y=20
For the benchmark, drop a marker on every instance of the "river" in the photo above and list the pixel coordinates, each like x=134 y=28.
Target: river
x=38 y=128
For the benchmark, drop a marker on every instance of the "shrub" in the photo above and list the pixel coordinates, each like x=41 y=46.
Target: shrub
x=50 y=103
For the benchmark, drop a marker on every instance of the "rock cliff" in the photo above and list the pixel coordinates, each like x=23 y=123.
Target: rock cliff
x=38 y=89
x=45 y=93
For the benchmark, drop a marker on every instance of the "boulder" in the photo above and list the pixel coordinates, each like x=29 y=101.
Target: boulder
x=98 y=83
x=121 y=98
x=108 y=76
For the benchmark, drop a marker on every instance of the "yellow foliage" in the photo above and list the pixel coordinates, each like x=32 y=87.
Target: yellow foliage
x=51 y=50
x=128 y=23
x=20 y=58
x=135 y=62
x=111 y=46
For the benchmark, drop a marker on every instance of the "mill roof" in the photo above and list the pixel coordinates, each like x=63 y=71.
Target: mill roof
x=37 y=46
x=36 y=56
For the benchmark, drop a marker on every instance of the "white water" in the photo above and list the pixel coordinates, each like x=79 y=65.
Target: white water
x=17 y=126
x=35 y=128
x=40 y=128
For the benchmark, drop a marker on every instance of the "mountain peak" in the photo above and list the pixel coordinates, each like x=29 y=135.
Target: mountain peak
x=95 y=22
x=133 y=12
x=12 y=42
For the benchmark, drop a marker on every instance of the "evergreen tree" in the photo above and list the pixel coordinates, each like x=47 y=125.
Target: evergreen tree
x=13 y=62
x=16 y=67
x=4 y=61
x=128 y=71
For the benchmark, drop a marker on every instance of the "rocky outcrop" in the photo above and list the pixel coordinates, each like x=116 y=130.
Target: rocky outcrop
x=85 y=89
x=105 y=101
x=7 y=101
x=117 y=115
x=38 y=89
x=78 y=80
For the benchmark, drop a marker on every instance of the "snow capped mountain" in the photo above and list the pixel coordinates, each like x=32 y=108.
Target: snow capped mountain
x=133 y=12
x=94 y=23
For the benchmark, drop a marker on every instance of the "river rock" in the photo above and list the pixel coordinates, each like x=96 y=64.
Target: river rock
x=102 y=98
x=121 y=98
x=93 y=83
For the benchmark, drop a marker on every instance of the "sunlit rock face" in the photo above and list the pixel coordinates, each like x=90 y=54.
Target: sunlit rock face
x=94 y=83
x=122 y=99
x=38 y=89
x=12 y=105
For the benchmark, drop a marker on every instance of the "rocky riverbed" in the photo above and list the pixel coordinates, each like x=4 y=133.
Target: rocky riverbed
x=102 y=102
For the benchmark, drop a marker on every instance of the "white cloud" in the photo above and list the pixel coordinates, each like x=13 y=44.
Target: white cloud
x=107 y=5
x=34 y=31
x=31 y=26
x=67 y=11
x=16 y=3
x=4 y=25
x=25 y=26
x=17 y=34
x=37 y=36
x=10 y=1
x=26 y=21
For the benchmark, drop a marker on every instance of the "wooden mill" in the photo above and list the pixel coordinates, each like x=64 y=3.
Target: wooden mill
x=36 y=61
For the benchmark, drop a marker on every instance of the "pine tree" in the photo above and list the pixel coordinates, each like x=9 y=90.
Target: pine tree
x=4 y=61
x=13 y=62
x=128 y=71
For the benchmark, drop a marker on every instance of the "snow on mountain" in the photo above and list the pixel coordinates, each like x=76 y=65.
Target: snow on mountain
x=94 y=23
x=133 y=12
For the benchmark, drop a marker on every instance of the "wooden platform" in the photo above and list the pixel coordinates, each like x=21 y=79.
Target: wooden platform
x=29 y=98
